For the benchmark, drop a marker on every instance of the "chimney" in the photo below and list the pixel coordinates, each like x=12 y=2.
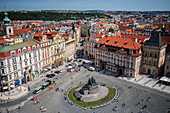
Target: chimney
x=136 y=40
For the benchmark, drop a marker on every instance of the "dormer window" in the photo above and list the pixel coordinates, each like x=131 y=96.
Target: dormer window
x=24 y=49
x=116 y=42
x=19 y=50
x=29 y=48
x=33 y=47
x=12 y=52
x=38 y=45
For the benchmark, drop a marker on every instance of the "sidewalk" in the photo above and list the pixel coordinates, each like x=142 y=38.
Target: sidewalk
x=13 y=94
x=148 y=82
x=23 y=90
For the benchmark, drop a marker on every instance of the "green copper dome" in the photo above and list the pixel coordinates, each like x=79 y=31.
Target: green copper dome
x=6 y=19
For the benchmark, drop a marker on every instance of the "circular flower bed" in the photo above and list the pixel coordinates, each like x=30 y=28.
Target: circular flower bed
x=111 y=95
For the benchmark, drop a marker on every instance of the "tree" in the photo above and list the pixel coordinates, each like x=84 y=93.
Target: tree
x=111 y=30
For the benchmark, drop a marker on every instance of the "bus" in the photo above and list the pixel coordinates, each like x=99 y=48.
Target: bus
x=50 y=81
x=45 y=85
x=38 y=90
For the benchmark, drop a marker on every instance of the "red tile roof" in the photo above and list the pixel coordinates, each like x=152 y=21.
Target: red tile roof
x=38 y=36
x=140 y=38
x=62 y=35
x=97 y=35
x=120 y=42
x=3 y=41
x=77 y=25
x=166 y=39
x=99 y=27
x=21 y=31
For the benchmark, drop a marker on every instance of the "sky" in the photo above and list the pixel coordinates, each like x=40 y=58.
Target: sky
x=123 y=5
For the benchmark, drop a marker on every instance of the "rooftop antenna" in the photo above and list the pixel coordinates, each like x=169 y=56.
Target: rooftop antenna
x=5 y=8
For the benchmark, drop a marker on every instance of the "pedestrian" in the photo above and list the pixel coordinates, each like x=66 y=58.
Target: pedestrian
x=7 y=110
x=33 y=97
x=138 y=103
x=28 y=88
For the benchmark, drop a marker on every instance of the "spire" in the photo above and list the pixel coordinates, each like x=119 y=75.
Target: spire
x=155 y=39
x=6 y=19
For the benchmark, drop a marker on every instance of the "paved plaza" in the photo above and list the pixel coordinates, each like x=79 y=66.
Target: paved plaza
x=154 y=100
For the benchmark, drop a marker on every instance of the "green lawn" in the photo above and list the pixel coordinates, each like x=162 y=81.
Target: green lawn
x=111 y=95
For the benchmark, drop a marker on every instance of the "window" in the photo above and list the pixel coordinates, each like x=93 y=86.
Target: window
x=8 y=62
x=30 y=62
x=33 y=47
x=28 y=48
x=36 y=66
x=25 y=56
x=150 y=54
x=35 y=54
x=14 y=67
x=20 y=58
x=14 y=60
x=10 y=77
x=9 y=30
x=24 y=49
x=21 y=65
x=30 y=55
x=9 y=69
x=16 y=74
x=25 y=62
x=167 y=67
x=19 y=50
x=35 y=59
x=2 y=63
x=3 y=71
x=22 y=72
x=38 y=45
x=154 y=63
x=12 y=52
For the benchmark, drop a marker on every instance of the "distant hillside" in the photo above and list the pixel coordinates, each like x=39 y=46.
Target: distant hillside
x=49 y=16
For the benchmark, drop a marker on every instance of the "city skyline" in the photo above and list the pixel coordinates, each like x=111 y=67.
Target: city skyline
x=121 y=5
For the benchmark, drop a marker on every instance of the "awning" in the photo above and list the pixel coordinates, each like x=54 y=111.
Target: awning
x=22 y=79
x=17 y=82
x=49 y=67
x=165 y=79
x=12 y=86
x=6 y=87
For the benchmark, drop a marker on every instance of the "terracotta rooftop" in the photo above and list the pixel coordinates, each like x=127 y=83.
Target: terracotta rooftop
x=21 y=31
x=120 y=42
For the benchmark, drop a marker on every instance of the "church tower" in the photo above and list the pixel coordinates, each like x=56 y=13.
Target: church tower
x=8 y=28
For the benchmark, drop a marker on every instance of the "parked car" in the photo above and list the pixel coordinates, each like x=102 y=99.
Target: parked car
x=50 y=75
x=91 y=68
x=57 y=72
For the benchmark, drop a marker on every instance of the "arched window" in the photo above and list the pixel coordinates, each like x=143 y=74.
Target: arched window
x=155 y=55
x=150 y=54
x=9 y=30
x=154 y=63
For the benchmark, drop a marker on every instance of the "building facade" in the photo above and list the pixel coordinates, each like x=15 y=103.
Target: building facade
x=153 y=55
x=167 y=65
x=119 y=55
x=42 y=39
x=19 y=64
